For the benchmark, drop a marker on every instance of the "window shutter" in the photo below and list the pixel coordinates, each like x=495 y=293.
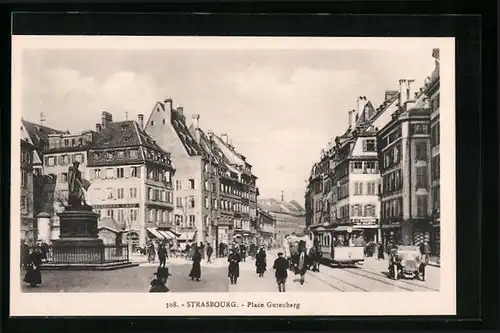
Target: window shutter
x=127 y=172
x=365 y=145
x=360 y=188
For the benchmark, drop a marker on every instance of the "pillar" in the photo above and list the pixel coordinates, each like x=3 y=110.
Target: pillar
x=44 y=229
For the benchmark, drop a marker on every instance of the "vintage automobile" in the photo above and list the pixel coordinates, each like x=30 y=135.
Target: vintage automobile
x=406 y=262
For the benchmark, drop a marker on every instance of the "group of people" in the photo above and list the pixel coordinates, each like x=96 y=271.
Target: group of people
x=237 y=255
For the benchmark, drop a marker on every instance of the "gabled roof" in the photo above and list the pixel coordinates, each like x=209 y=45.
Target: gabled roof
x=275 y=206
x=109 y=223
x=189 y=143
x=39 y=134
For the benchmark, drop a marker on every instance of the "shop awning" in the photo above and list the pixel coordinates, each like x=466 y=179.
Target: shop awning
x=155 y=233
x=187 y=236
x=344 y=228
x=165 y=234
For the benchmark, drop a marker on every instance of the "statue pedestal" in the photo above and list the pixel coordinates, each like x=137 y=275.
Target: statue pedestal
x=79 y=246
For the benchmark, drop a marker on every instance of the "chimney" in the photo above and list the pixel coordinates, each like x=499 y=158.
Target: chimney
x=168 y=103
x=402 y=92
x=210 y=134
x=225 y=138
x=361 y=106
x=98 y=127
x=196 y=121
x=350 y=118
x=141 y=120
x=106 y=118
x=409 y=89
x=390 y=94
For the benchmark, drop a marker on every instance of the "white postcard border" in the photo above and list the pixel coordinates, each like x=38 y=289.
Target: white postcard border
x=327 y=303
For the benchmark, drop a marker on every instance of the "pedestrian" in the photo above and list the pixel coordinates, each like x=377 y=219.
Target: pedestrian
x=243 y=252
x=196 y=268
x=234 y=266
x=221 y=250
x=302 y=265
x=44 y=250
x=158 y=284
x=210 y=250
x=202 y=250
x=162 y=255
x=33 y=274
x=380 y=252
x=260 y=262
x=281 y=274
x=151 y=253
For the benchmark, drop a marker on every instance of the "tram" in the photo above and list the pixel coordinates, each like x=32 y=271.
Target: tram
x=341 y=245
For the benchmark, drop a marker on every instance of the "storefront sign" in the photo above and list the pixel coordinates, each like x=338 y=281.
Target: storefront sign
x=116 y=206
x=364 y=222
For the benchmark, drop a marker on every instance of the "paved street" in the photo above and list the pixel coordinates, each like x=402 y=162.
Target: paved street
x=371 y=276
x=135 y=279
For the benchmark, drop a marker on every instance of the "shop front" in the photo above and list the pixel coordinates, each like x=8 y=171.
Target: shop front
x=371 y=230
x=391 y=233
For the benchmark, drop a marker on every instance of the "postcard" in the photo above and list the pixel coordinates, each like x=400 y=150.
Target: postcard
x=243 y=176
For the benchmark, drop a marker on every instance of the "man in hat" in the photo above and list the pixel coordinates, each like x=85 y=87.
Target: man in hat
x=281 y=266
x=158 y=284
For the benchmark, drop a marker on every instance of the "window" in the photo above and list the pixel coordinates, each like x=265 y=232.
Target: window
x=178 y=185
x=369 y=210
x=370 y=167
x=170 y=197
x=133 y=193
x=357 y=167
x=192 y=220
x=191 y=184
x=134 y=172
x=109 y=173
x=64 y=177
x=436 y=198
x=207 y=202
x=152 y=214
x=51 y=161
x=121 y=215
x=206 y=185
x=120 y=193
x=152 y=122
x=133 y=153
x=369 y=145
x=421 y=205
x=435 y=135
x=371 y=188
x=421 y=151
x=356 y=210
x=191 y=202
x=358 y=188
x=435 y=168
x=422 y=177
x=109 y=194
x=178 y=202
x=167 y=177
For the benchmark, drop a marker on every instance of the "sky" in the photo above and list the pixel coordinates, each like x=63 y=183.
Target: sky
x=279 y=107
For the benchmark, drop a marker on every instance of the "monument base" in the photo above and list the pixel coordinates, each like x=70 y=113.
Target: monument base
x=79 y=246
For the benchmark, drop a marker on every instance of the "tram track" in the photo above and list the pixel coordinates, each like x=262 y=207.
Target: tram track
x=338 y=279
x=400 y=281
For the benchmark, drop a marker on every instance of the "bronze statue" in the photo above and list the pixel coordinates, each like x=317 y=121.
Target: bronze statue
x=76 y=188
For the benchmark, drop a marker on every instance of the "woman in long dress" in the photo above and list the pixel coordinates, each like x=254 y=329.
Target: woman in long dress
x=260 y=262
x=33 y=274
x=151 y=253
x=196 y=269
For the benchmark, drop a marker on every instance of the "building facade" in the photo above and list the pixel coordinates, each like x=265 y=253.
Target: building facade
x=290 y=217
x=131 y=179
x=266 y=229
x=432 y=91
x=28 y=223
x=404 y=155
x=215 y=190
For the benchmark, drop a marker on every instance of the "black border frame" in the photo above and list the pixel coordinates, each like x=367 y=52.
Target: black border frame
x=476 y=168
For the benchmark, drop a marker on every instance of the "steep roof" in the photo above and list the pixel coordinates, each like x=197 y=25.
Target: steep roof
x=179 y=123
x=39 y=134
x=276 y=206
x=109 y=223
